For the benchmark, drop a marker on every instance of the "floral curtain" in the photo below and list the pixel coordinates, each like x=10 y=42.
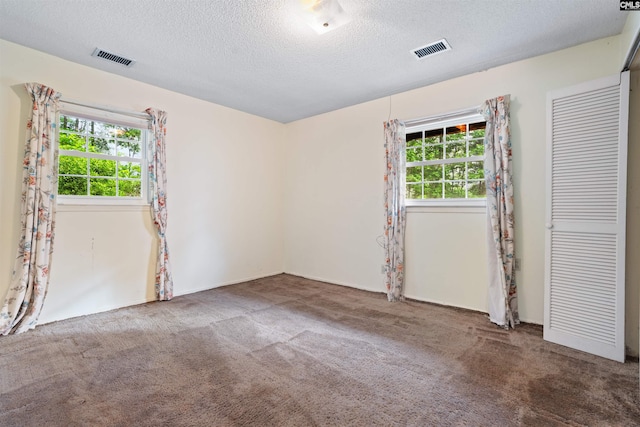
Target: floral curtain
x=158 y=189
x=28 y=287
x=503 y=302
x=394 y=205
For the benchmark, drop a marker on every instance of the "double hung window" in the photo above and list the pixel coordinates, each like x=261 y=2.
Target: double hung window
x=102 y=158
x=445 y=161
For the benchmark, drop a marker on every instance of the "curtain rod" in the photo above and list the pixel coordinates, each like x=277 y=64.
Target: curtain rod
x=437 y=118
x=134 y=114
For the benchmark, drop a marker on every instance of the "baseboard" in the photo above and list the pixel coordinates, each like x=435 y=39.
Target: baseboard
x=139 y=301
x=333 y=282
x=431 y=301
x=129 y=303
x=444 y=304
x=531 y=322
x=248 y=279
x=227 y=283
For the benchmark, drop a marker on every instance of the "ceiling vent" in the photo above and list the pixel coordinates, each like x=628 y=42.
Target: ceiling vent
x=112 y=57
x=431 y=49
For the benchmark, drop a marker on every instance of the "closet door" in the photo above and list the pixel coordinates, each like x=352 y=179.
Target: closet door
x=587 y=129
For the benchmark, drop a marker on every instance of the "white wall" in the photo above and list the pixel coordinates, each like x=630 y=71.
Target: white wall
x=225 y=194
x=333 y=186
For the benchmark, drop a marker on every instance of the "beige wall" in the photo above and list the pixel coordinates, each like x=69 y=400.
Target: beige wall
x=225 y=194
x=333 y=188
x=304 y=198
x=628 y=36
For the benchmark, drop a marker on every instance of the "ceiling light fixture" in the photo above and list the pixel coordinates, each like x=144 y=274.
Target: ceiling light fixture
x=322 y=15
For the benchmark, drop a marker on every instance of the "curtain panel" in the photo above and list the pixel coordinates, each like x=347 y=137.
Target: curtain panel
x=394 y=207
x=158 y=190
x=503 y=301
x=30 y=278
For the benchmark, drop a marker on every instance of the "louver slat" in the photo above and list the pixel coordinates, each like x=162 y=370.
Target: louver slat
x=593 y=166
x=584 y=273
x=587 y=314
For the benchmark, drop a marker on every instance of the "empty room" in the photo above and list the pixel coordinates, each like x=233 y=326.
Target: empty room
x=319 y=213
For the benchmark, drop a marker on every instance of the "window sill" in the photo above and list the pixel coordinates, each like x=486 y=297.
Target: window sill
x=75 y=205
x=475 y=206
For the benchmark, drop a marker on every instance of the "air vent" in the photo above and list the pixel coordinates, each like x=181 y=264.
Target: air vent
x=112 y=57
x=431 y=49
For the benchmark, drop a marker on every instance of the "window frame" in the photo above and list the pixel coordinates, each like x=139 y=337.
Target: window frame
x=443 y=121
x=106 y=115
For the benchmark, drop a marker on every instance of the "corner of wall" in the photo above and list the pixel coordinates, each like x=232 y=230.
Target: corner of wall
x=629 y=37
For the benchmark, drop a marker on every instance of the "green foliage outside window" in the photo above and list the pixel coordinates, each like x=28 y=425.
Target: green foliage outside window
x=79 y=176
x=455 y=180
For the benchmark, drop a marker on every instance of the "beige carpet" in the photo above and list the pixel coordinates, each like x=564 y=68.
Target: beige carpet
x=287 y=351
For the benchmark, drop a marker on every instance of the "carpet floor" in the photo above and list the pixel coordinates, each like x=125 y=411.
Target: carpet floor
x=287 y=351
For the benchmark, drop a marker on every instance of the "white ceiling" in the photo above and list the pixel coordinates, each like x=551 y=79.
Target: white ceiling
x=257 y=56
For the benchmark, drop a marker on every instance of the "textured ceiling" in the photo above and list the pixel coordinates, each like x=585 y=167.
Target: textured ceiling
x=258 y=56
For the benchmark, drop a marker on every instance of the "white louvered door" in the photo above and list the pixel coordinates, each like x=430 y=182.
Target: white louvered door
x=586 y=202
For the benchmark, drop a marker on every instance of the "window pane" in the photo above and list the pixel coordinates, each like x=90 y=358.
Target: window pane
x=414 y=154
x=102 y=146
x=433 y=173
x=433 y=190
x=95 y=174
x=433 y=152
x=414 y=139
x=477 y=189
x=103 y=187
x=455 y=150
x=131 y=134
x=72 y=186
x=414 y=191
x=414 y=174
x=454 y=171
x=433 y=136
x=72 y=142
x=129 y=149
x=129 y=188
x=70 y=165
x=476 y=170
x=122 y=132
x=129 y=170
x=457 y=133
x=442 y=180
x=100 y=129
x=100 y=167
x=454 y=190
x=476 y=130
x=476 y=147
x=73 y=124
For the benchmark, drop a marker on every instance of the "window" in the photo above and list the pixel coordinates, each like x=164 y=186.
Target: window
x=101 y=160
x=445 y=161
